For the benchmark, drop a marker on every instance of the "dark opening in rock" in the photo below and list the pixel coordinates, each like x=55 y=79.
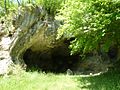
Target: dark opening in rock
x=56 y=60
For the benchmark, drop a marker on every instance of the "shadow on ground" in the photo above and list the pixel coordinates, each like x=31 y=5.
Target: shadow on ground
x=106 y=81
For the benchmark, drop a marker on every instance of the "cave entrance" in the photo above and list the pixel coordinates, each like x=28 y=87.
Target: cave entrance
x=56 y=60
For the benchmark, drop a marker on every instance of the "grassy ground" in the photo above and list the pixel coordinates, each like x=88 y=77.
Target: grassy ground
x=41 y=81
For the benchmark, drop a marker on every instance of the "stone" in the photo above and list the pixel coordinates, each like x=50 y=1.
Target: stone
x=35 y=31
x=5 y=66
x=92 y=64
x=5 y=43
x=5 y=58
x=69 y=72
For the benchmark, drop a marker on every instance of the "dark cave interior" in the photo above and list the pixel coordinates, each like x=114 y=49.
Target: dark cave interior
x=56 y=60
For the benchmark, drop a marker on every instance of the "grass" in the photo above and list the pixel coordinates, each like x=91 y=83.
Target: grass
x=107 y=81
x=42 y=81
x=37 y=81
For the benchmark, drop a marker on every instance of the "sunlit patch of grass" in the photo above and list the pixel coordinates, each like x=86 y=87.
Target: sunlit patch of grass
x=37 y=81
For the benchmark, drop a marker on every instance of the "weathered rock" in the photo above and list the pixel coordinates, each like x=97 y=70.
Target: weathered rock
x=36 y=30
x=5 y=43
x=5 y=66
x=69 y=72
x=93 y=64
x=5 y=59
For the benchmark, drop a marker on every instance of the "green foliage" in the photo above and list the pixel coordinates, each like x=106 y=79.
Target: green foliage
x=1 y=12
x=92 y=23
x=10 y=7
x=52 y=6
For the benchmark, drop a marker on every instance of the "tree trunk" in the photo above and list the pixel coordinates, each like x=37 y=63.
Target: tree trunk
x=5 y=6
x=29 y=1
x=18 y=3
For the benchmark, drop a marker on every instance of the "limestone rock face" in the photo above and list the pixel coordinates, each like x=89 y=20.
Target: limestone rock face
x=5 y=59
x=93 y=64
x=35 y=30
x=5 y=66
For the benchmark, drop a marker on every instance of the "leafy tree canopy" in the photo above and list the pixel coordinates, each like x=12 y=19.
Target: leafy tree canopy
x=93 y=23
